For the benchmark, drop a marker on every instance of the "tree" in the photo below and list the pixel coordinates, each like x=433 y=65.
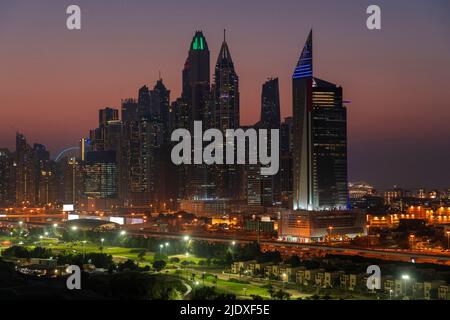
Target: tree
x=204 y=293
x=128 y=265
x=294 y=261
x=282 y=295
x=16 y=251
x=158 y=265
x=141 y=255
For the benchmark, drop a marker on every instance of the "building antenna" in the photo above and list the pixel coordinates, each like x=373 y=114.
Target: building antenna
x=224 y=35
x=159 y=72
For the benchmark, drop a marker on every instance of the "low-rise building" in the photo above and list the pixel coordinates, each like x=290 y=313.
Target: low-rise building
x=349 y=281
x=444 y=292
x=257 y=268
x=431 y=289
x=288 y=273
x=240 y=266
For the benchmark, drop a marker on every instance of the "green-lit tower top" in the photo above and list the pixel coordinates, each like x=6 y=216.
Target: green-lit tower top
x=199 y=42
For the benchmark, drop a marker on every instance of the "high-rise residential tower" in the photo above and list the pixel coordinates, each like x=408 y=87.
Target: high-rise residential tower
x=197 y=96
x=270 y=104
x=225 y=92
x=320 y=139
x=196 y=78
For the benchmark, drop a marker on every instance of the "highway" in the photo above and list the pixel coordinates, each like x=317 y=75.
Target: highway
x=378 y=253
x=291 y=247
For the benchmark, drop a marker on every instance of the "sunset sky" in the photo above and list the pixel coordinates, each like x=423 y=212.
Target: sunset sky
x=53 y=81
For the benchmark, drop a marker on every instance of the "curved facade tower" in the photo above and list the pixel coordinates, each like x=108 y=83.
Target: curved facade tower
x=320 y=139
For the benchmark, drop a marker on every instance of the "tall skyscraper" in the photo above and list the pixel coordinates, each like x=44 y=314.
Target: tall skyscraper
x=320 y=139
x=100 y=137
x=106 y=115
x=26 y=165
x=196 y=78
x=160 y=101
x=70 y=176
x=226 y=116
x=270 y=119
x=196 y=94
x=285 y=173
x=129 y=110
x=226 y=91
x=7 y=194
x=270 y=104
x=100 y=180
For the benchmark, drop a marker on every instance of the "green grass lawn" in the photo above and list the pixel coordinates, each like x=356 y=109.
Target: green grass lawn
x=222 y=284
x=119 y=253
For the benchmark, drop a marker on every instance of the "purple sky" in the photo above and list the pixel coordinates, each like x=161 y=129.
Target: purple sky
x=53 y=81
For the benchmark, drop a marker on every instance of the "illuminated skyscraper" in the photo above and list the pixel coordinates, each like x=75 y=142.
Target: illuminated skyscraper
x=226 y=91
x=26 y=169
x=7 y=194
x=320 y=139
x=197 y=96
x=100 y=180
x=226 y=116
x=196 y=78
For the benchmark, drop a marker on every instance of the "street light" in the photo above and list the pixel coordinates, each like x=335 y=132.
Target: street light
x=123 y=232
x=406 y=278
x=331 y=229
x=55 y=225
x=74 y=228
x=390 y=294
x=186 y=238
x=411 y=237
x=284 y=275
x=233 y=243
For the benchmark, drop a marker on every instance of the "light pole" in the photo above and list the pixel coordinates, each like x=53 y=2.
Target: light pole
x=84 y=248
x=74 y=229
x=330 y=228
x=284 y=275
x=406 y=278
x=411 y=238
x=390 y=294
x=186 y=261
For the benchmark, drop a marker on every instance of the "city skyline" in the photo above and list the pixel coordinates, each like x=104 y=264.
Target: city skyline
x=380 y=155
x=224 y=151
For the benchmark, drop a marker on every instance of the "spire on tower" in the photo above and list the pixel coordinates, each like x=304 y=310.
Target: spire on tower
x=304 y=68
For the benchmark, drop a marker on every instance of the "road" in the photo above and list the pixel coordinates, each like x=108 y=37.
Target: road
x=375 y=253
